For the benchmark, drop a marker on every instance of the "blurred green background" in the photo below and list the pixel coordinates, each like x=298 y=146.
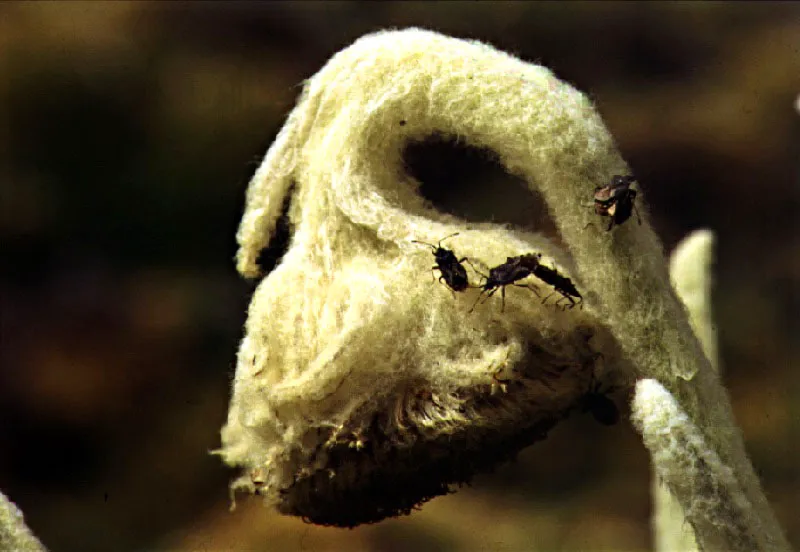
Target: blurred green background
x=128 y=134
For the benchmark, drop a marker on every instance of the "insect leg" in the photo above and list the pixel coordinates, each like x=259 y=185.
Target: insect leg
x=478 y=272
x=475 y=304
x=533 y=288
x=530 y=287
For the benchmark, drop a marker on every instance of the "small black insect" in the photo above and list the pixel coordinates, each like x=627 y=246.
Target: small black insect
x=451 y=270
x=616 y=200
x=511 y=271
x=561 y=284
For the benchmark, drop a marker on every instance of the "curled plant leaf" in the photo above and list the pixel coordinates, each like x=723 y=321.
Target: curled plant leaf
x=362 y=388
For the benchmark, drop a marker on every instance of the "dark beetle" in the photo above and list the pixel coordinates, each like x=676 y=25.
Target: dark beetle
x=451 y=270
x=560 y=283
x=513 y=270
x=616 y=200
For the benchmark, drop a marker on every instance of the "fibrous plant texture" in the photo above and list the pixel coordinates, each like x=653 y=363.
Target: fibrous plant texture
x=14 y=534
x=362 y=388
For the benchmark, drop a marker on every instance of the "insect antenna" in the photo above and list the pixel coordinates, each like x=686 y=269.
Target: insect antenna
x=425 y=243
x=440 y=241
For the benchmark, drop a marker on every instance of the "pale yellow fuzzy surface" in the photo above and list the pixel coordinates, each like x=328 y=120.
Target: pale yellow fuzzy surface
x=691 y=274
x=324 y=341
x=714 y=502
x=351 y=317
x=699 y=501
x=14 y=534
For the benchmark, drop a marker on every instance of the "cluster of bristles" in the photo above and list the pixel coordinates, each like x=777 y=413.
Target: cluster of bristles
x=615 y=201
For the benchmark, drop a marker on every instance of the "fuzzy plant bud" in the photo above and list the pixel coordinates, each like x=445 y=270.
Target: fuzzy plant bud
x=364 y=388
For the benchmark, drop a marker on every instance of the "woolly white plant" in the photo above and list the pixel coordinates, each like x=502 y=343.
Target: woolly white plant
x=362 y=388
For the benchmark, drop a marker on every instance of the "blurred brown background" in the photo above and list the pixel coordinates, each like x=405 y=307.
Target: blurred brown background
x=129 y=132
